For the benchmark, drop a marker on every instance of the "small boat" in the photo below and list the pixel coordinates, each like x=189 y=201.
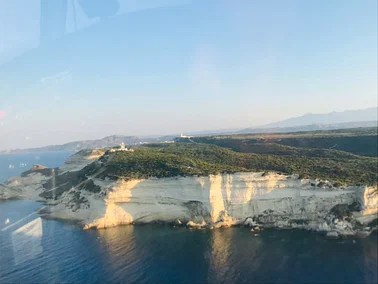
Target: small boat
x=7 y=221
x=11 y=166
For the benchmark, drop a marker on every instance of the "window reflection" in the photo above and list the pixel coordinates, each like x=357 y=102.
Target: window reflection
x=26 y=241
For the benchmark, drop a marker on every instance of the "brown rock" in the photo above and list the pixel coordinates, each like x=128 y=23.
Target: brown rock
x=37 y=167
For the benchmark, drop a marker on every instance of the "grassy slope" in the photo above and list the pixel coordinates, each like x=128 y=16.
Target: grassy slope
x=168 y=160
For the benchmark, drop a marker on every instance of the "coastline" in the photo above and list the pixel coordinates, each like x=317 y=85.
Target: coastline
x=251 y=199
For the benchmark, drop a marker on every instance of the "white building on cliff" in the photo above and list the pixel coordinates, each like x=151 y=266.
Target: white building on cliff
x=122 y=147
x=185 y=136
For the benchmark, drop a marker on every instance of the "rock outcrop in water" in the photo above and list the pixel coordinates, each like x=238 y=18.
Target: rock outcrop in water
x=222 y=200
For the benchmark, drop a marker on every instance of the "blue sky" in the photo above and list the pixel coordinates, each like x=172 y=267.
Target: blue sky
x=161 y=67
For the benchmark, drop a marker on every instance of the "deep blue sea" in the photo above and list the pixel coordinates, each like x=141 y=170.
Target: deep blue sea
x=34 y=250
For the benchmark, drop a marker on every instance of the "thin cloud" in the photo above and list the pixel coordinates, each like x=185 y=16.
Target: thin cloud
x=57 y=78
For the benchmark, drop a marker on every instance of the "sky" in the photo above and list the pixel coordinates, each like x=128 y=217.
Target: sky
x=155 y=67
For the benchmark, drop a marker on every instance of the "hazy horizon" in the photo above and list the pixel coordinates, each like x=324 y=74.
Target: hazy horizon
x=150 y=135
x=159 y=67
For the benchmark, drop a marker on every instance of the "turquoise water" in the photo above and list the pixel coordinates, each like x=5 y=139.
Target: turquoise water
x=62 y=252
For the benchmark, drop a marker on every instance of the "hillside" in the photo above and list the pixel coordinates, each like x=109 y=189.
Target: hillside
x=359 y=141
x=186 y=159
x=309 y=154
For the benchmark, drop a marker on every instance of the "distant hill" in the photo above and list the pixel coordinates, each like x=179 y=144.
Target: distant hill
x=115 y=140
x=358 y=141
x=109 y=141
x=312 y=127
x=353 y=116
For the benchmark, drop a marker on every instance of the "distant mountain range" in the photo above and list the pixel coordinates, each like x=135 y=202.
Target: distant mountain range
x=308 y=122
x=352 y=116
x=311 y=127
x=109 y=141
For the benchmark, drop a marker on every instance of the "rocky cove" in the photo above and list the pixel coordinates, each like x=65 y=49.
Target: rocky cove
x=254 y=199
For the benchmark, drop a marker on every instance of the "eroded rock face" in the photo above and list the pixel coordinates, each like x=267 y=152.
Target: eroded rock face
x=26 y=186
x=5 y=193
x=242 y=198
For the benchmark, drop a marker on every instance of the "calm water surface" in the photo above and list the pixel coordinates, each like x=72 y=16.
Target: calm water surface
x=59 y=252
x=15 y=164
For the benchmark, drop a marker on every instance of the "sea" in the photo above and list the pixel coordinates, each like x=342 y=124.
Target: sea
x=34 y=249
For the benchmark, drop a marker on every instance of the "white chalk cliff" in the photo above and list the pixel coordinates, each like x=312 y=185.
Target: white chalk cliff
x=247 y=198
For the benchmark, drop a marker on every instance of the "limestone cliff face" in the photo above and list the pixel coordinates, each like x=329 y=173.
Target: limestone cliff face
x=223 y=200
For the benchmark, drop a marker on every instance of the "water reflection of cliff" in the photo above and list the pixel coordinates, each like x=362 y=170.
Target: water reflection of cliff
x=371 y=258
x=225 y=253
x=121 y=253
x=219 y=255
